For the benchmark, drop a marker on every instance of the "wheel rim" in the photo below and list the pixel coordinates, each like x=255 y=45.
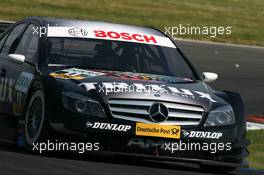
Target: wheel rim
x=34 y=117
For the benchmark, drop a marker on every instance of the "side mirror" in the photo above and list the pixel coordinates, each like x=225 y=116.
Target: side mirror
x=209 y=76
x=18 y=58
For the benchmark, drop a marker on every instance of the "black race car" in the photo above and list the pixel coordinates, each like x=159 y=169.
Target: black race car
x=128 y=88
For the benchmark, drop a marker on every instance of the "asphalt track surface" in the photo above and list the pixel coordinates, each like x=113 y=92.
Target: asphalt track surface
x=240 y=69
x=13 y=162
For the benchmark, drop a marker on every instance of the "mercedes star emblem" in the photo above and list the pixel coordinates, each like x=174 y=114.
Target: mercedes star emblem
x=158 y=112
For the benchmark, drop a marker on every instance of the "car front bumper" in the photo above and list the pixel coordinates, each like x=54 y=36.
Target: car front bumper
x=149 y=147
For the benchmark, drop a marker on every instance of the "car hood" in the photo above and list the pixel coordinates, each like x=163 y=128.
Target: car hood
x=127 y=85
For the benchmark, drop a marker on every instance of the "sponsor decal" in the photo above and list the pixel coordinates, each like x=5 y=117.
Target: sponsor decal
x=66 y=76
x=8 y=95
x=109 y=34
x=157 y=130
x=23 y=82
x=125 y=36
x=78 y=32
x=6 y=85
x=146 y=144
x=76 y=74
x=108 y=126
x=202 y=134
x=144 y=77
x=110 y=87
x=185 y=133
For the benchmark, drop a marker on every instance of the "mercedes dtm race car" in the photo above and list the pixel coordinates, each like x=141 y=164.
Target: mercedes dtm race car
x=128 y=88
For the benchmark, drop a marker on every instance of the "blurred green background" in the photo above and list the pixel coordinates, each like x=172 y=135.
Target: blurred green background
x=256 y=149
x=244 y=16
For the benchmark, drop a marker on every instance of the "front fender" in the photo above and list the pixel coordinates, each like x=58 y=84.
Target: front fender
x=237 y=103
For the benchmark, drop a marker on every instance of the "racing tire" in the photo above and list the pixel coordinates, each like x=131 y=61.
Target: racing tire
x=35 y=121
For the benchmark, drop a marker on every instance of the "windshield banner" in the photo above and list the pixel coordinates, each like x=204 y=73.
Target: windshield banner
x=107 y=34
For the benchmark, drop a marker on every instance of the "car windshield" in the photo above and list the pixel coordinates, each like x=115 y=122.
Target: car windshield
x=117 y=56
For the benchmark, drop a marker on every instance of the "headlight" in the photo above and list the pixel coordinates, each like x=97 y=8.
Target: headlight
x=81 y=104
x=221 y=116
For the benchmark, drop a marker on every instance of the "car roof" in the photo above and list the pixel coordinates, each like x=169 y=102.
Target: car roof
x=100 y=24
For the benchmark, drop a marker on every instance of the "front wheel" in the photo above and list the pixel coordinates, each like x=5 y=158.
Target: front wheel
x=35 y=118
